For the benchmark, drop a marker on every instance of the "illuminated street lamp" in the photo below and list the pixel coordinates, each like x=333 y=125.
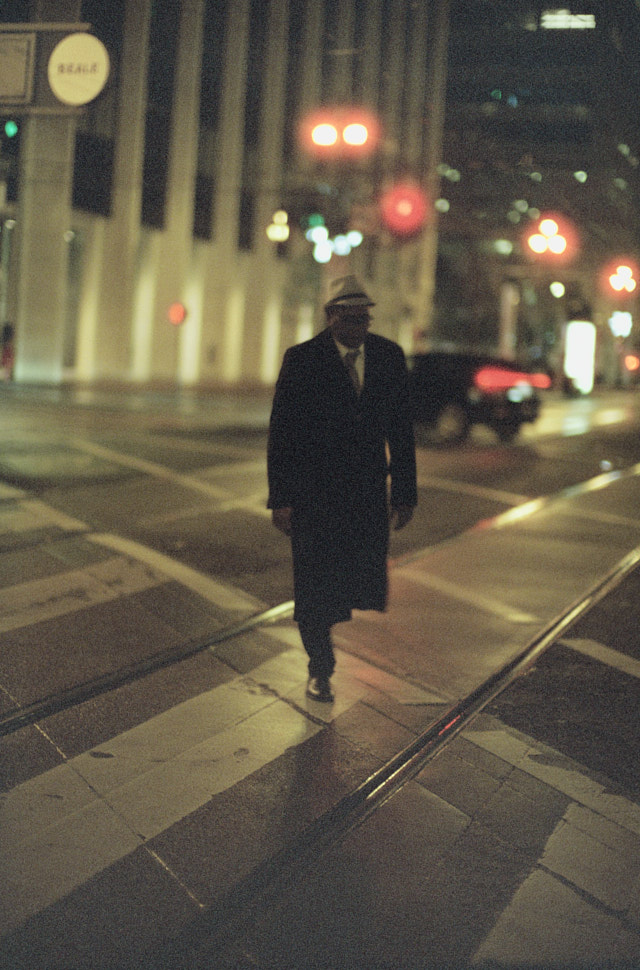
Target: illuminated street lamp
x=619 y=277
x=553 y=238
x=548 y=238
x=622 y=280
x=339 y=132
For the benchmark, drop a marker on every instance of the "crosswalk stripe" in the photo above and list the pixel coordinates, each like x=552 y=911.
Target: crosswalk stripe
x=71 y=822
x=38 y=600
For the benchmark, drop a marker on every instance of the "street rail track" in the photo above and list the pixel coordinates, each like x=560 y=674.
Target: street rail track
x=79 y=693
x=222 y=924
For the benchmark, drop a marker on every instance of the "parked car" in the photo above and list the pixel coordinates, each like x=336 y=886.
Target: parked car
x=453 y=391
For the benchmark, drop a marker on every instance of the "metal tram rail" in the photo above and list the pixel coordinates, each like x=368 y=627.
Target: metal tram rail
x=79 y=693
x=222 y=923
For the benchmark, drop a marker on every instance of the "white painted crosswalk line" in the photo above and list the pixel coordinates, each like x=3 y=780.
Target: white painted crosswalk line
x=68 y=824
x=44 y=599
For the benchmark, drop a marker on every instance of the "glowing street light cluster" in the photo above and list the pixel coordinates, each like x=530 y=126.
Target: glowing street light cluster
x=325 y=247
x=548 y=239
x=622 y=280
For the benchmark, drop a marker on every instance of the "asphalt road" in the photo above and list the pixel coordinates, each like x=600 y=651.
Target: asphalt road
x=187 y=476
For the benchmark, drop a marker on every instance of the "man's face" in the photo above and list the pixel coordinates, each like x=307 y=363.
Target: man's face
x=349 y=325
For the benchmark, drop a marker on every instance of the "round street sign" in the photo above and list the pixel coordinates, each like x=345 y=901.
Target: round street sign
x=78 y=69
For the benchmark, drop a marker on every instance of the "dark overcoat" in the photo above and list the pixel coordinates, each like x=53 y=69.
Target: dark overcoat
x=331 y=454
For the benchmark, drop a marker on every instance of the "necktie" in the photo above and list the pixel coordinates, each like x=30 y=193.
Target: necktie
x=350 y=363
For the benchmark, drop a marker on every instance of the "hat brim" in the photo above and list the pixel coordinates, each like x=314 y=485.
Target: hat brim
x=355 y=302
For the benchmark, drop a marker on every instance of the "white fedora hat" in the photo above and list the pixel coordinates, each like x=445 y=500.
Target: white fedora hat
x=348 y=291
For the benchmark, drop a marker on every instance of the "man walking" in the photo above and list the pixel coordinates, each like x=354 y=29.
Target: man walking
x=340 y=427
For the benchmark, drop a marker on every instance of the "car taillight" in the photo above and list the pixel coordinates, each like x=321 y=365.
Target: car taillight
x=491 y=379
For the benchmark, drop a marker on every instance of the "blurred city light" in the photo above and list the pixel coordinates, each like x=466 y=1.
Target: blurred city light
x=623 y=279
x=323 y=251
x=404 y=208
x=632 y=362
x=620 y=323
x=339 y=131
x=565 y=20
x=324 y=134
x=553 y=238
x=356 y=134
x=176 y=313
x=557 y=289
x=317 y=234
x=619 y=277
x=278 y=230
x=580 y=354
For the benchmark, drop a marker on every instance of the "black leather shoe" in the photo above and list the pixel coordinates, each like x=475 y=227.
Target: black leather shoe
x=319 y=689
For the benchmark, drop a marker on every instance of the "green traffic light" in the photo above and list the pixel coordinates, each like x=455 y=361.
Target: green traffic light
x=11 y=128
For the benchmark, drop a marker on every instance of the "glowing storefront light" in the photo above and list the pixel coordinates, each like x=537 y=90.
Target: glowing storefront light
x=580 y=354
x=565 y=20
x=620 y=323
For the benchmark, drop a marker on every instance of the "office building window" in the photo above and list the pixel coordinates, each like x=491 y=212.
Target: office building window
x=256 y=61
x=96 y=131
x=213 y=51
x=15 y=11
x=163 y=43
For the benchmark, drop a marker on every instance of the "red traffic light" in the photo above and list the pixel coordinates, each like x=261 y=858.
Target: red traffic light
x=553 y=237
x=339 y=132
x=404 y=208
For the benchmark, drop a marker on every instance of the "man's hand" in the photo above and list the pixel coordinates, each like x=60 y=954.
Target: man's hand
x=400 y=516
x=281 y=518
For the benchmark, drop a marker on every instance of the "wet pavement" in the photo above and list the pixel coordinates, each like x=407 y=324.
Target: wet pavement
x=129 y=821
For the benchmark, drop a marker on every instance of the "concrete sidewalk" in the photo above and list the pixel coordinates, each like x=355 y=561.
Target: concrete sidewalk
x=150 y=806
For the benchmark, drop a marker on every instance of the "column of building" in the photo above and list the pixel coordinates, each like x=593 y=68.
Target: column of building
x=175 y=348
x=112 y=251
x=224 y=273
x=45 y=187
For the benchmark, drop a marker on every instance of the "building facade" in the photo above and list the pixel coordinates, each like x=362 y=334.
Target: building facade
x=541 y=117
x=134 y=242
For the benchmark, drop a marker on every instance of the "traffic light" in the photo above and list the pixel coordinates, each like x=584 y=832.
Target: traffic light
x=404 y=209
x=553 y=238
x=339 y=132
x=9 y=135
